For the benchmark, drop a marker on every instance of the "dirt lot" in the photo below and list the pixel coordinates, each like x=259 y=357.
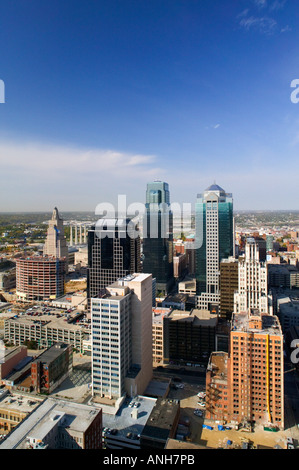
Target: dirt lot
x=218 y=439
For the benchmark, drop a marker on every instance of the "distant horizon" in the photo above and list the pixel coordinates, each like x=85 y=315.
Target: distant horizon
x=92 y=212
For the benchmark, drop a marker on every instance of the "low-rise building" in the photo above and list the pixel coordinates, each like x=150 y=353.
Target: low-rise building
x=11 y=359
x=45 y=331
x=189 y=336
x=122 y=430
x=57 y=424
x=14 y=408
x=161 y=425
x=51 y=368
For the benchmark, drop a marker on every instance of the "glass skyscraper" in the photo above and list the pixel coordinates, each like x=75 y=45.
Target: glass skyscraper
x=113 y=252
x=158 y=235
x=215 y=241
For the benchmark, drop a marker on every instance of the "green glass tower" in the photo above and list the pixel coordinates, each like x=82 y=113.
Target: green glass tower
x=158 y=235
x=214 y=241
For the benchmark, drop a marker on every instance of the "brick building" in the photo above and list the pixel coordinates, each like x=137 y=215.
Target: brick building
x=39 y=278
x=252 y=372
x=51 y=368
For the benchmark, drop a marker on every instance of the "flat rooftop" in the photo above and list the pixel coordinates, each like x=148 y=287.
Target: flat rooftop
x=125 y=422
x=78 y=417
x=270 y=323
x=162 y=418
x=52 y=353
x=199 y=317
x=50 y=321
x=218 y=365
x=18 y=402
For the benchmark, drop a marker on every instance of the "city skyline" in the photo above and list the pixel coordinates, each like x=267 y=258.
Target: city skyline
x=103 y=98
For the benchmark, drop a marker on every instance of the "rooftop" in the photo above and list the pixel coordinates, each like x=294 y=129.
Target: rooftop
x=76 y=416
x=125 y=420
x=18 y=402
x=199 y=317
x=268 y=324
x=218 y=365
x=162 y=418
x=45 y=321
x=215 y=187
x=52 y=353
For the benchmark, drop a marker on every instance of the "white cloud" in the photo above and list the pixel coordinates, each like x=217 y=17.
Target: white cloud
x=261 y=3
x=264 y=25
x=286 y=29
x=39 y=157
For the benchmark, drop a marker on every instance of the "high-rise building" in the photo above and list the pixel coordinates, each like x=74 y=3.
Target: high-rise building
x=229 y=284
x=55 y=244
x=121 y=323
x=252 y=273
x=113 y=253
x=215 y=241
x=40 y=278
x=246 y=385
x=158 y=236
x=256 y=368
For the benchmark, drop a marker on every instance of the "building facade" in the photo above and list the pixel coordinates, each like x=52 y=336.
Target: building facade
x=43 y=331
x=55 y=244
x=253 y=281
x=39 y=278
x=52 y=367
x=113 y=253
x=250 y=374
x=229 y=284
x=157 y=248
x=121 y=324
x=215 y=241
x=189 y=337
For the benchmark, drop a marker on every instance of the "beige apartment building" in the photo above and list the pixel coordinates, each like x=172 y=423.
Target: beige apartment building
x=158 y=334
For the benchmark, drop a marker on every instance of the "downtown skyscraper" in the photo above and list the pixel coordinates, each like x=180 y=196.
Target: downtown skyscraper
x=122 y=338
x=252 y=279
x=55 y=244
x=158 y=235
x=215 y=241
x=113 y=253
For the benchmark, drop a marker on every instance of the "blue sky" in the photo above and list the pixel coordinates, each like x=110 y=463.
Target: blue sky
x=103 y=96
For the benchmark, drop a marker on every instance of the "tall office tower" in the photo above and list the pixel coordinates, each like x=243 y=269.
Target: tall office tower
x=55 y=244
x=113 y=252
x=158 y=236
x=214 y=236
x=229 y=284
x=252 y=273
x=121 y=323
x=246 y=385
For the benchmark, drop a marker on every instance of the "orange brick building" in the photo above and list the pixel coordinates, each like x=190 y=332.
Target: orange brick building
x=252 y=372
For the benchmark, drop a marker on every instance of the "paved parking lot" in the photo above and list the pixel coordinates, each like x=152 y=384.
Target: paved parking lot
x=219 y=439
x=77 y=386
